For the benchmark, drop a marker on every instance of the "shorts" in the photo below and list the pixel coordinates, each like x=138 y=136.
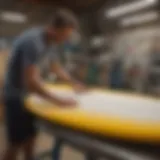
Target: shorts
x=19 y=123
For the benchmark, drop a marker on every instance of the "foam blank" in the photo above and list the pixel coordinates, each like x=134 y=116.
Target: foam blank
x=109 y=103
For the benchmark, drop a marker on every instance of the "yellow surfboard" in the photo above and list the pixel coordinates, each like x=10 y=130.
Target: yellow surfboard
x=102 y=112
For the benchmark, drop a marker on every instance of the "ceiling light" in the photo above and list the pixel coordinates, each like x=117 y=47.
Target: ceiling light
x=137 y=19
x=13 y=17
x=129 y=8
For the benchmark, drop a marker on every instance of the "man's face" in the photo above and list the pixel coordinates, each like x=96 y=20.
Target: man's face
x=63 y=34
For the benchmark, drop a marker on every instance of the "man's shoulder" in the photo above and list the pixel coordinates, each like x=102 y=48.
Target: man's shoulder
x=29 y=35
x=28 y=38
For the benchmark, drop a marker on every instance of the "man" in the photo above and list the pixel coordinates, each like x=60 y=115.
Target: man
x=23 y=76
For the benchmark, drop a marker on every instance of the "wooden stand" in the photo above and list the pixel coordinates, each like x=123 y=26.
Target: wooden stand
x=3 y=61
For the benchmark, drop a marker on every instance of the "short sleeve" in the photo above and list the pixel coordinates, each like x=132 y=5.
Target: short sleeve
x=29 y=54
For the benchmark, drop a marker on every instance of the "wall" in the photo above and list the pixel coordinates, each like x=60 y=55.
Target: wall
x=134 y=46
x=3 y=61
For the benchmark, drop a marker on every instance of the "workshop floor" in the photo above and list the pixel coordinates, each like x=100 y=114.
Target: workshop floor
x=44 y=142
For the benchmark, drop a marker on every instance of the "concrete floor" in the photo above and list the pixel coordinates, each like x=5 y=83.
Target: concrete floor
x=44 y=142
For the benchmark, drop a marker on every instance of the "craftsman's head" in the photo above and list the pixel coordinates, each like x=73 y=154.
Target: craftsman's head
x=62 y=25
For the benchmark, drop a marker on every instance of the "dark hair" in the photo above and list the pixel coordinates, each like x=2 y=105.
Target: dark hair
x=64 y=18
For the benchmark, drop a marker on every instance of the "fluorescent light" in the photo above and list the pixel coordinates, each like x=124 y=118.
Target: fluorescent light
x=129 y=8
x=13 y=17
x=137 y=19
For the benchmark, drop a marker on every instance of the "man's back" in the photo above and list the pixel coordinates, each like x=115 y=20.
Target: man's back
x=25 y=48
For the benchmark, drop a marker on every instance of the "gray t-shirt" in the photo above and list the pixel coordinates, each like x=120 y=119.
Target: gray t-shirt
x=29 y=48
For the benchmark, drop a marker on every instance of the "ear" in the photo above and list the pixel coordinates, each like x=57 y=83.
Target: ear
x=51 y=30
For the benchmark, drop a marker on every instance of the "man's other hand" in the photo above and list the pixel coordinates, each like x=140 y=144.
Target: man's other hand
x=79 y=88
x=67 y=102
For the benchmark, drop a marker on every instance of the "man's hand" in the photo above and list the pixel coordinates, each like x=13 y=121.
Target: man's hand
x=79 y=88
x=66 y=102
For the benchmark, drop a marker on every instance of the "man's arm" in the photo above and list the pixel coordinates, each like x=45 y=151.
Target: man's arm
x=65 y=76
x=62 y=73
x=35 y=84
x=32 y=78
